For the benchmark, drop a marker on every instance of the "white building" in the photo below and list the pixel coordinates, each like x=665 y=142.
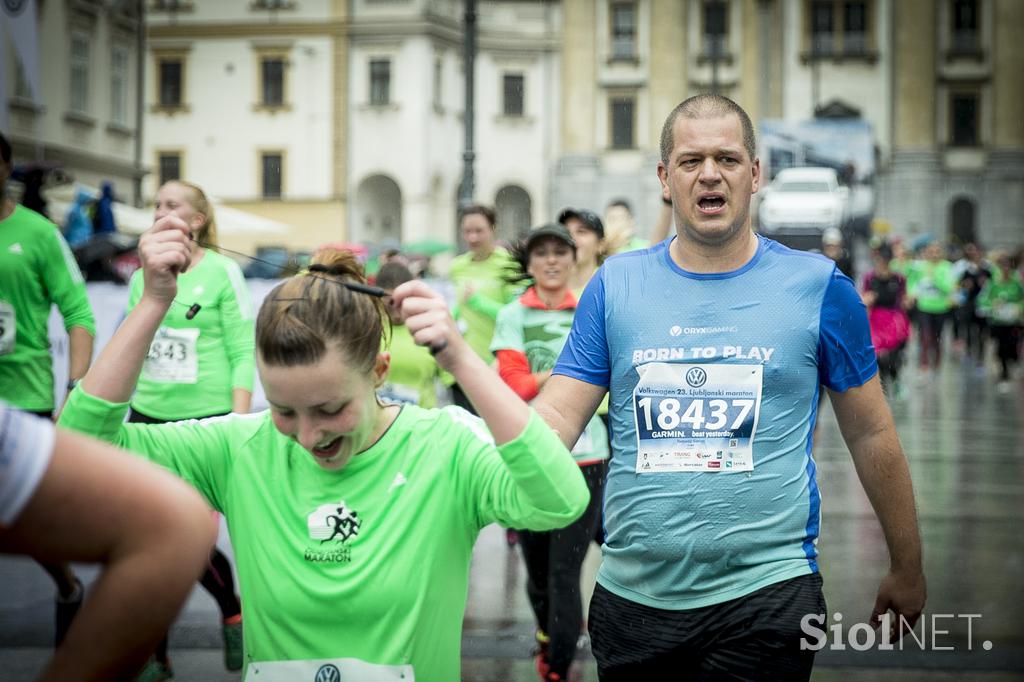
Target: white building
x=407 y=95
x=85 y=117
x=247 y=100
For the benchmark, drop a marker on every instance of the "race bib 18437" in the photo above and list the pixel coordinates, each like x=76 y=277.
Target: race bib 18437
x=696 y=417
x=172 y=357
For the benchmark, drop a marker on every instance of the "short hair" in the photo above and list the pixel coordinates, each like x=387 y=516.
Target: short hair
x=5 y=149
x=479 y=209
x=623 y=203
x=392 y=274
x=707 y=105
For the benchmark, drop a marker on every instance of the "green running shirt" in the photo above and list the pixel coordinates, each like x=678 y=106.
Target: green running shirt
x=193 y=365
x=370 y=562
x=413 y=375
x=490 y=293
x=37 y=270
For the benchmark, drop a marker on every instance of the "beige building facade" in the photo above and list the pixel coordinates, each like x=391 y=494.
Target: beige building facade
x=938 y=81
x=249 y=101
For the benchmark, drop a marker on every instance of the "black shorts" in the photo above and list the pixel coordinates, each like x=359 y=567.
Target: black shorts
x=755 y=637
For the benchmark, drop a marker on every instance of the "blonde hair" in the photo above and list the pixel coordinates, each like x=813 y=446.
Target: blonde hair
x=197 y=199
x=303 y=315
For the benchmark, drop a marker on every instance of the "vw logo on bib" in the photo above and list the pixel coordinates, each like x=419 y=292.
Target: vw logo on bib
x=696 y=377
x=328 y=673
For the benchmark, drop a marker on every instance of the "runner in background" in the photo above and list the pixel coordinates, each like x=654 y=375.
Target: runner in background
x=479 y=279
x=196 y=368
x=64 y=497
x=414 y=375
x=37 y=271
x=1002 y=301
x=529 y=335
x=883 y=292
x=353 y=522
x=930 y=288
x=971 y=273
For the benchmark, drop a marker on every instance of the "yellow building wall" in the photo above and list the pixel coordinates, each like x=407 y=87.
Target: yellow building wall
x=313 y=223
x=749 y=89
x=579 y=74
x=914 y=74
x=668 y=63
x=1008 y=74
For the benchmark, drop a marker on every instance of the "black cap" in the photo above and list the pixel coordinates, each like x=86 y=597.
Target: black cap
x=588 y=218
x=555 y=230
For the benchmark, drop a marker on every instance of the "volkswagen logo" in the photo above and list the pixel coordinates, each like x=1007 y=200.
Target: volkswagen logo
x=14 y=7
x=328 y=673
x=696 y=377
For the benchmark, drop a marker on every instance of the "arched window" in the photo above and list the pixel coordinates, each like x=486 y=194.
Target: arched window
x=515 y=211
x=963 y=218
x=378 y=211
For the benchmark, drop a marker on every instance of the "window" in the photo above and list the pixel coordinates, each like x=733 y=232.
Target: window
x=170 y=82
x=822 y=27
x=716 y=23
x=272 y=173
x=855 y=28
x=438 y=82
x=79 y=72
x=621 y=115
x=119 y=84
x=623 y=16
x=965 y=25
x=272 y=81
x=169 y=166
x=380 y=81
x=513 y=94
x=964 y=120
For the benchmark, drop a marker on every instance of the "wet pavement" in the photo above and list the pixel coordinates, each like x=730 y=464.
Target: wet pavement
x=965 y=444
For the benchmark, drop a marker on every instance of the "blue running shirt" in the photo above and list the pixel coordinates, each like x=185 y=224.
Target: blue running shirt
x=713 y=379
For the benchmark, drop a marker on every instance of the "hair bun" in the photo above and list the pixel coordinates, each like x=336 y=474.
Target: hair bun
x=337 y=263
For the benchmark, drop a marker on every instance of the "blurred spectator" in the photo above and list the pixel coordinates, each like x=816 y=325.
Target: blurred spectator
x=833 y=247
x=103 y=217
x=78 y=224
x=930 y=286
x=1002 y=302
x=971 y=273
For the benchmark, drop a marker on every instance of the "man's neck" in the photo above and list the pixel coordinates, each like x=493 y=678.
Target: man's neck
x=710 y=259
x=482 y=254
x=6 y=208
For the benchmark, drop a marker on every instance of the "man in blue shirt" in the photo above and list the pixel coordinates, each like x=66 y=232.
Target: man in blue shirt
x=713 y=345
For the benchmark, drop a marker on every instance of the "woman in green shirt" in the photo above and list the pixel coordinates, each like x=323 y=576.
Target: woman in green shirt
x=199 y=366
x=353 y=522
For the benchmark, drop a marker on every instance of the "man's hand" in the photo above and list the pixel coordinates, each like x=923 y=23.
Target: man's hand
x=903 y=593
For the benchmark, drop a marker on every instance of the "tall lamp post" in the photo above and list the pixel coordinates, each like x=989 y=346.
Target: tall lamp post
x=466 y=189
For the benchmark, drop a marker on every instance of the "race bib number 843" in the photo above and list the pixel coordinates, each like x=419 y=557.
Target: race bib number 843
x=696 y=417
x=172 y=357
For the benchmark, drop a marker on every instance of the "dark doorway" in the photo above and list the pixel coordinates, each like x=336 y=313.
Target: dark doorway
x=962 y=222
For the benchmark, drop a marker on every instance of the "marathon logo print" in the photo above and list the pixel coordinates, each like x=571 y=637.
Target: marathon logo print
x=334 y=523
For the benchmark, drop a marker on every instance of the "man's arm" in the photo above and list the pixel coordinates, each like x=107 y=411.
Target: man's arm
x=567 y=405
x=870 y=434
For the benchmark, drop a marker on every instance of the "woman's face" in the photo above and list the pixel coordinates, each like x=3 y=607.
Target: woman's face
x=588 y=244
x=478 y=233
x=173 y=197
x=550 y=264
x=327 y=407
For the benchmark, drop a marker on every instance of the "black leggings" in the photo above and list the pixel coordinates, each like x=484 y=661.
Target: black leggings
x=1007 y=347
x=930 y=327
x=553 y=563
x=217 y=578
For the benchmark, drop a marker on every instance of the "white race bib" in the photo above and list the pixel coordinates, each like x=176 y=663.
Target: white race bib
x=327 y=670
x=172 y=357
x=693 y=417
x=8 y=328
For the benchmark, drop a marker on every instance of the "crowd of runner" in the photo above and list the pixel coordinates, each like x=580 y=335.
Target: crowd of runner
x=593 y=388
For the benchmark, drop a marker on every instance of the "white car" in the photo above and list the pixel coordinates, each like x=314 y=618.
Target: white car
x=803 y=201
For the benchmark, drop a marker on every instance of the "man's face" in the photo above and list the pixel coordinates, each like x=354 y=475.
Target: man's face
x=709 y=179
x=477 y=232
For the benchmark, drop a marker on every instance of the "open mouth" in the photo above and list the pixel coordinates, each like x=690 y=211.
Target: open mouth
x=711 y=204
x=326 y=452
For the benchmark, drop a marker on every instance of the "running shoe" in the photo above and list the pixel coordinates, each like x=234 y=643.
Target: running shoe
x=65 y=612
x=232 y=632
x=155 y=671
x=540 y=652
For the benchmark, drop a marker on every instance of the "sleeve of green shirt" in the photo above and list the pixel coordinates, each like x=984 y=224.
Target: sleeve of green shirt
x=531 y=482
x=200 y=454
x=485 y=305
x=65 y=284
x=508 y=330
x=239 y=335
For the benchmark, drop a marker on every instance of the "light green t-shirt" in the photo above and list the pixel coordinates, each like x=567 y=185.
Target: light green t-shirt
x=932 y=285
x=193 y=365
x=413 y=375
x=370 y=562
x=540 y=335
x=37 y=270
x=490 y=293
